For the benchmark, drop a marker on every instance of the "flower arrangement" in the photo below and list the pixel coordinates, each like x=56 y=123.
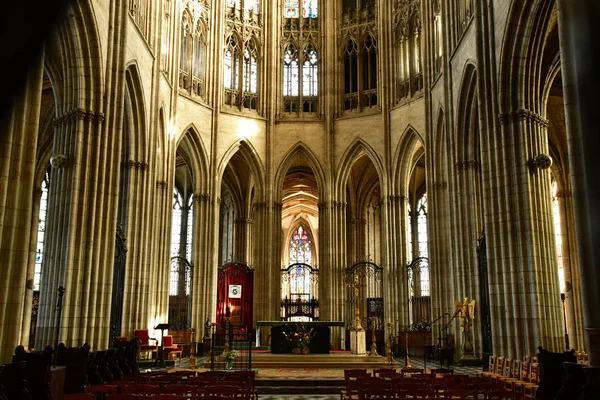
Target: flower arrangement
x=229 y=355
x=300 y=339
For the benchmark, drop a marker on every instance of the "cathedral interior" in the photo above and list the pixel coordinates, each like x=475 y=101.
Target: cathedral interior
x=375 y=162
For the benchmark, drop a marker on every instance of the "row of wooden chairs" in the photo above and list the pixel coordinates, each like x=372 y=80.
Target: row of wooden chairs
x=89 y=396
x=360 y=385
x=522 y=376
x=233 y=385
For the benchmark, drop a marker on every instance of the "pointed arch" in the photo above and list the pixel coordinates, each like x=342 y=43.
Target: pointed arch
x=519 y=82
x=306 y=225
x=78 y=37
x=250 y=155
x=134 y=102
x=299 y=150
x=196 y=156
x=404 y=158
x=357 y=148
x=467 y=112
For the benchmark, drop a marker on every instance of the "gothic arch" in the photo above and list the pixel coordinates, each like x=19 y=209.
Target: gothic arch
x=250 y=155
x=134 y=101
x=196 y=157
x=288 y=236
x=299 y=150
x=467 y=116
x=404 y=158
x=78 y=36
x=352 y=153
x=522 y=48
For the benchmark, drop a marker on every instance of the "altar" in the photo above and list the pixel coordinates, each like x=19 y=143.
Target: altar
x=319 y=344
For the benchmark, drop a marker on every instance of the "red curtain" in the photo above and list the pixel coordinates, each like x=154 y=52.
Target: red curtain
x=235 y=274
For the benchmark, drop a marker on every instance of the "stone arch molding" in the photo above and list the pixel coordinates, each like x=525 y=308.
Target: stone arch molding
x=198 y=157
x=134 y=91
x=299 y=149
x=352 y=153
x=403 y=158
x=253 y=160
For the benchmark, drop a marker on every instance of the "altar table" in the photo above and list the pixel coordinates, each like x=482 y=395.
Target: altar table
x=319 y=344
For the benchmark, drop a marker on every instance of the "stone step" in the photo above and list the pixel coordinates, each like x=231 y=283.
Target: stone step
x=307 y=388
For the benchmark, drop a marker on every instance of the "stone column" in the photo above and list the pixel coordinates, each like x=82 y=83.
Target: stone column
x=17 y=165
x=580 y=61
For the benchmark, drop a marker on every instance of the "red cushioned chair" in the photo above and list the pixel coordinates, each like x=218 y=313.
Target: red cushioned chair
x=145 y=346
x=173 y=350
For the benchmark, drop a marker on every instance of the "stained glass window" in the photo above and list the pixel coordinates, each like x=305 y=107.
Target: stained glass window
x=300 y=247
x=176 y=223
x=233 y=4
x=310 y=8
x=291 y=9
x=422 y=225
x=231 y=78
x=558 y=236
x=189 y=228
x=250 y=67
x=310 y=72
x=290 y=72
x=39 y=251
x=409 y=233
x=251 y=5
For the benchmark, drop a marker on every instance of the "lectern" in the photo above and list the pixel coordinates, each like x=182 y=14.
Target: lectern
x=160 y=360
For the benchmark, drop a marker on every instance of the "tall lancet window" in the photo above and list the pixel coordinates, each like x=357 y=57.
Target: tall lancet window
x=186 y=45
x=300 y=252
x=422 y=243
x=558 y=236
x=300 y=247
x=250 y=67
x=242 y=54
x=39 y=251
x=310 y=72
x=181 y=235
x=232 y=63
x=290 y=71
x=301 y=33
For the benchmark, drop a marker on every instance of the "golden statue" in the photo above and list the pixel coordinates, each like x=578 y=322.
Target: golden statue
x=467 y=311
x=357 y=322
x=467 y=315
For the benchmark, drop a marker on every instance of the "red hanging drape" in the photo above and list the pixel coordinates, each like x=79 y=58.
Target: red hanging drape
x=235 y=274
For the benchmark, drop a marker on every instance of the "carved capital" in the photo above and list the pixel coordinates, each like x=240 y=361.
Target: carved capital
x=523 y=115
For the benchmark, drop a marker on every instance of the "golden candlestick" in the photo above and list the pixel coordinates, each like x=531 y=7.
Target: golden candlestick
x=388 y=346
x=193 y=350
x=406 y=357
x=373 y=351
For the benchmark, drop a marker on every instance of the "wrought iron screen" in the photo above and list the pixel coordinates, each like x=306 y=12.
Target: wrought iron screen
x=364 y=296
x=180 y=296
x=419 y=301
x=299 y=283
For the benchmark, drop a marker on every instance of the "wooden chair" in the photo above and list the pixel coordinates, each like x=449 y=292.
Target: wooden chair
x=98 y=389
x=530 y=388
x=442 y=371
x=163 y=396
x=460 y=394
x=491 y=367
x=145 y=342
x=173 y=350
x=187 y=391
x=378 y=371
x=122 y=396
x=411 y=370
x=505 y=372
x=351 y=377
x=80 y=396
x=143 y=389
